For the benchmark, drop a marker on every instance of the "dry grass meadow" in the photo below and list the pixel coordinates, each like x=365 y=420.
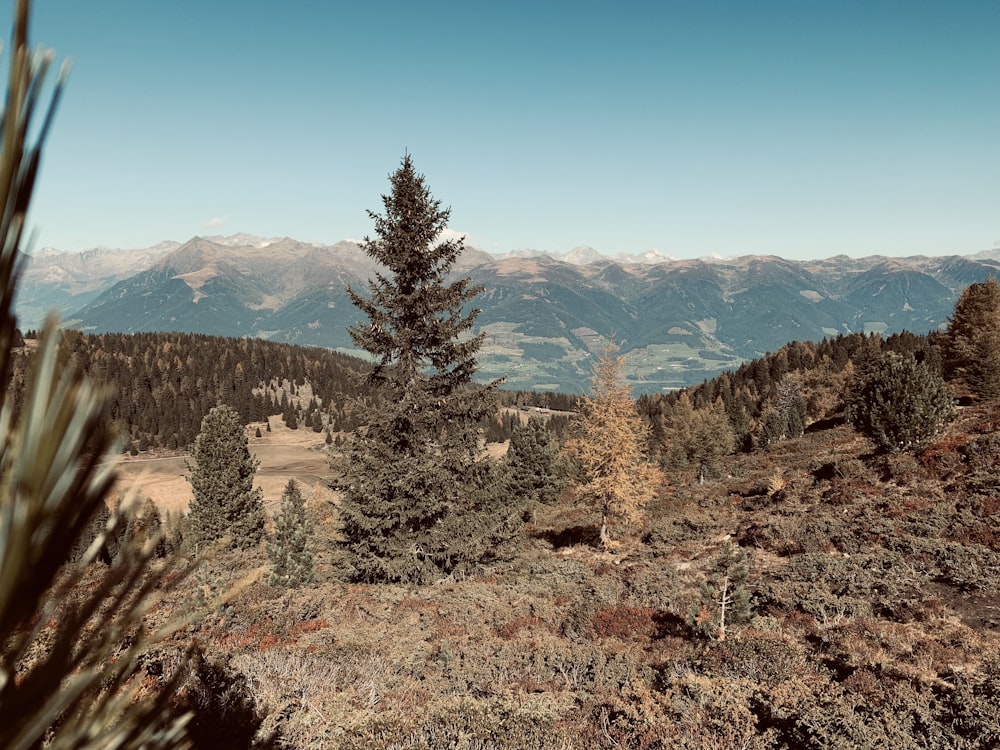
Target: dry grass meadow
x=284 y=454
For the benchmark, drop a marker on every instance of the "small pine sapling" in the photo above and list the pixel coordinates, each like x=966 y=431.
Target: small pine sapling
x=725 y=595
x=288 y=549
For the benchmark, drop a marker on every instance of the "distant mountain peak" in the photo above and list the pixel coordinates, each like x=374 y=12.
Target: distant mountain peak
x=544 y=314
x=242 y=239
x=583 y=255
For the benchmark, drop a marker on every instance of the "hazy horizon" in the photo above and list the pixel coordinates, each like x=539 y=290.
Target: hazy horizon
x=718 y=129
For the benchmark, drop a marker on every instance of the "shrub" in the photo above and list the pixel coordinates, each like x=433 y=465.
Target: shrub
x=899 y=403
x=225 y=715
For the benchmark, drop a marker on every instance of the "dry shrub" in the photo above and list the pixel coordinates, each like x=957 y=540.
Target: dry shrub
x=462 y=722
x=626 y=623
x=309 y=697
x=519 y=625
x=945 y=456
x=904 y=469
x=763 y=658
x=692 y=711
x=226 y=713
x=309 y=626
x=987 y=505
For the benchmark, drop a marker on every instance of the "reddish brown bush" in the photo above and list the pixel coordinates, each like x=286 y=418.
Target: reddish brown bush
x=626 y=623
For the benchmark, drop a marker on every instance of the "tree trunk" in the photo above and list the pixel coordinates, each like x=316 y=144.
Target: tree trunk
x=723 y=603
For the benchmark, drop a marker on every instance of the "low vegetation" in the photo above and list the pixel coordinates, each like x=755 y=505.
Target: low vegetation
x=817 y=594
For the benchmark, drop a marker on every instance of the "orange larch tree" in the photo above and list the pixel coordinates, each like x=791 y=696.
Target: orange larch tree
x=609 y=447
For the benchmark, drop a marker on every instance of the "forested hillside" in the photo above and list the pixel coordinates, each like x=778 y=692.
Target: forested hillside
x=163 y=384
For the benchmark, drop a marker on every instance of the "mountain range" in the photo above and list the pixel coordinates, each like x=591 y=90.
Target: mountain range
x=677 y=321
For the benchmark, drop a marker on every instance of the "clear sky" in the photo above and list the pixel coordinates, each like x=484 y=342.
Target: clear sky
x=801 y=128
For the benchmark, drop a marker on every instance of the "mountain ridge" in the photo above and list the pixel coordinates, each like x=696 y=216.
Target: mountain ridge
x=678 y=321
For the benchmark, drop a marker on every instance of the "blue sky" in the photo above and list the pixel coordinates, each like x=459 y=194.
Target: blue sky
x=803 y=129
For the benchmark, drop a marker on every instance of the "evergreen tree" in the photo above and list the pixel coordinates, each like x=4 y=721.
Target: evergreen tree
x=71 y=653
x=288 y=549
x=696 y=438
x=610 y=448
x=786 y=418
x=532 y=458
x=225 y=502
x=725 y=595
x=972 y=345
x=419 y=498
x=899 y=403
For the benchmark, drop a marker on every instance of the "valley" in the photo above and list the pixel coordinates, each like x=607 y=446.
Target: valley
x=677 y=322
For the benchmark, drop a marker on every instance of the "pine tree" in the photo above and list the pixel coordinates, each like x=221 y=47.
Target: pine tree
x=419 y=498
x=972 y=344
x=725 y=595
x=225 y=502
x=288 y=549
x=532 y=458
x=610 y=448
x=696 y=438
x=899 y=403
x=786 y=417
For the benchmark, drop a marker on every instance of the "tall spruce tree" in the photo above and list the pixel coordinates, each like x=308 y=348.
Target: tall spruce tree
x=419 y=498
x=225 y=502
x=288 y=549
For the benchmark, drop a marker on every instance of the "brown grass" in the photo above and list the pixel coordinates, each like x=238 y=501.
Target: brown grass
x=284 y=454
